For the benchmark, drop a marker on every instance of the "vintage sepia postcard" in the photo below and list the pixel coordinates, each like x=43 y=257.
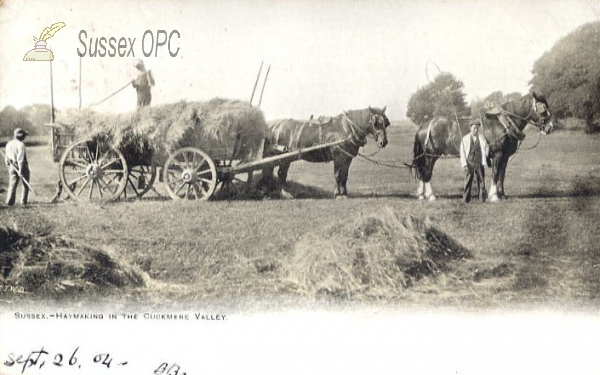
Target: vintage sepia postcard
x=299 y=187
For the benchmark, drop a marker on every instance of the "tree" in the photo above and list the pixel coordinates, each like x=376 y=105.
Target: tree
x=10 y=119
x=38 y=114
x=569 y=74
x=442 y=97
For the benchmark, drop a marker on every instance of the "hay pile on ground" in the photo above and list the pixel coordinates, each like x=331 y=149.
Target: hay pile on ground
x=374 y=256
x=50 y=267
x=212 y=126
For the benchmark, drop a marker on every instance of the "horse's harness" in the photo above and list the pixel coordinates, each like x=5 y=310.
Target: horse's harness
x=511 y=130
x=358 y=136
x=536 y=107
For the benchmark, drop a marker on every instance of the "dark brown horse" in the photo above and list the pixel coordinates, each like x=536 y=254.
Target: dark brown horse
x=502 y=129
x=353 y=126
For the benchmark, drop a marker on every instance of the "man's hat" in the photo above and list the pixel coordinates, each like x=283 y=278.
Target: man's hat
x=19 y=131
x=138 y=63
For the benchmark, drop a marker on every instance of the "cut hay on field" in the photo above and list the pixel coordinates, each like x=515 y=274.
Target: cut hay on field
x=52 y=267
x=212 y=126
x=375 y=256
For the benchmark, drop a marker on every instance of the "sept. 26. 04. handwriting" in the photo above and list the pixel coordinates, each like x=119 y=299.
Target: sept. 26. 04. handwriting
x=38 y=359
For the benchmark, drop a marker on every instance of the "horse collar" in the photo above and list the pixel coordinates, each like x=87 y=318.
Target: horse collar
x=359 y=136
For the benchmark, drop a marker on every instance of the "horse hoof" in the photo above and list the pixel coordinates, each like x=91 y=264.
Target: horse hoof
x=421 y=197
x=494 y=198
x=431 y=198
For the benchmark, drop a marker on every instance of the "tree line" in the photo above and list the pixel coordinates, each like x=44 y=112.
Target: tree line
x=31 y=118
x=568 y=76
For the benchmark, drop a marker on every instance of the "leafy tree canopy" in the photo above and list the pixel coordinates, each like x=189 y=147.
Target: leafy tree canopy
x=31 y=118
x=442 y=97
x=569 y=74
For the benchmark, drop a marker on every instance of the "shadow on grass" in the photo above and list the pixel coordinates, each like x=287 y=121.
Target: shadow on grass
x=581 y=187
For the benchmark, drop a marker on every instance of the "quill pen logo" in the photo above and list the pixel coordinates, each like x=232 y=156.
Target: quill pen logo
x=40 y=52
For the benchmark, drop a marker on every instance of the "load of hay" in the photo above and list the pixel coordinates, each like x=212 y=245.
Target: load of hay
x=373 y=256
x=52 y=267
x=212 y=126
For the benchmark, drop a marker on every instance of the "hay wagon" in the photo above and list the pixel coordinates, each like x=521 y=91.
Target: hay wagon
x=95 y=168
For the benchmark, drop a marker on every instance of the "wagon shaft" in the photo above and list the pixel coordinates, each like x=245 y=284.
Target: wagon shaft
x=278 y=159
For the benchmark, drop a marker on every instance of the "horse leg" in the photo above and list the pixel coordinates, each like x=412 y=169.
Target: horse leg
x=282 y=174
x=336 y=173
x=427 y=178
x=267 y=183
x=341 y=165
x=425 y=191
x=493 y=194
x=429 y=192
x=344 y=180
x=501 y=174
x=420 y=190
x=424 y=173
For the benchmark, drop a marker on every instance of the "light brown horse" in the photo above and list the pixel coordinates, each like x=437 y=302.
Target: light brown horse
x=353 y=126
x=502 y=128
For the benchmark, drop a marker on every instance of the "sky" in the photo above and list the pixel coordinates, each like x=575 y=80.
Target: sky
x=324 y=57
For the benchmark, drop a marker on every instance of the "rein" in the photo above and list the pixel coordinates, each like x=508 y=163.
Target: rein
x=373 y=161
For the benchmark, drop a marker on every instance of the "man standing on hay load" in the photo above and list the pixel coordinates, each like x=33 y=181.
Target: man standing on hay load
x=473 y=155
x=18 y=167
x=142 y=84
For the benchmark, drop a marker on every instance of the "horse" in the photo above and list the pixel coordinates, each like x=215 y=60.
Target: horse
x=353 y=126
x=502 y=128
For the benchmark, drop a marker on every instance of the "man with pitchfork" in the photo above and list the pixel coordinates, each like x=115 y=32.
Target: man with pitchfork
x=18 y=168
x=142 y=84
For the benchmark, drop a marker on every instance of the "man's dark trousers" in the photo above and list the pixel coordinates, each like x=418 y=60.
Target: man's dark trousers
x=475 y=169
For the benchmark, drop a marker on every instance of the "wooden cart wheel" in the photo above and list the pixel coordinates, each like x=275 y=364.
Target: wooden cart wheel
x=190 y=174
x=229 y=184
x=140 y=180
x=93 y=170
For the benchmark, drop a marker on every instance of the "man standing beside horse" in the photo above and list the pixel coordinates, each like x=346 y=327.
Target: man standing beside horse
x=473 y=155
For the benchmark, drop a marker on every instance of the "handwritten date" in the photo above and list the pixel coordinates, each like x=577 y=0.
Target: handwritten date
x=39 y=358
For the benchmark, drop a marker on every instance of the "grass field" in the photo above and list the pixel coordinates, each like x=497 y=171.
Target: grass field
x=538 y=249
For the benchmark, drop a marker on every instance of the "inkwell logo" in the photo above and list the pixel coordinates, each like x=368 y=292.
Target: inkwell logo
x=40 y=52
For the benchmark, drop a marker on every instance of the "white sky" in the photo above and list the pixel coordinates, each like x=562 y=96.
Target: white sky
x=325 y=57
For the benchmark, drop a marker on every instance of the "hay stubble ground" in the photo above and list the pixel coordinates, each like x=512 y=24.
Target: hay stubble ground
x=539 y=248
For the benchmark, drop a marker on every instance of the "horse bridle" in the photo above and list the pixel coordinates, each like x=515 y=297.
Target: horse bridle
x=538 y=107
x=541 y=109
x=359 y=136
x=377 y=119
